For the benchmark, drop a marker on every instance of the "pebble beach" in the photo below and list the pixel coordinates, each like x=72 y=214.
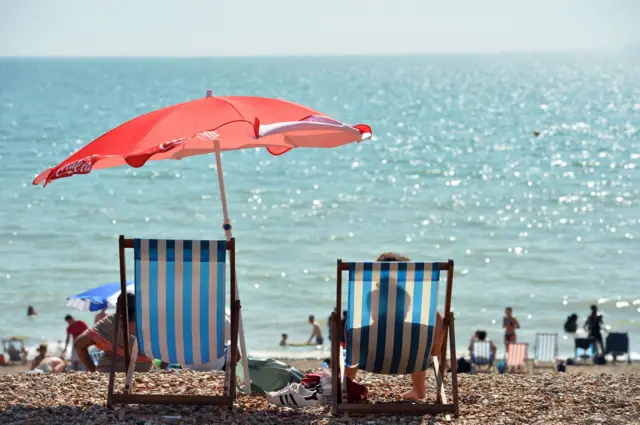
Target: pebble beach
x=547 y=398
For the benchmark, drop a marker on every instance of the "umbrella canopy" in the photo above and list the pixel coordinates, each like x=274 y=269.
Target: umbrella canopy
x=99 y=298
x=207 y=125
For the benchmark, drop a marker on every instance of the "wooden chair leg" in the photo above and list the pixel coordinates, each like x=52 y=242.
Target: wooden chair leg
x=132 y=367
x=114 y=343
x=335 y=369
x=454 y=367
x=443 y=349
x=441 y=397
x=128 y=383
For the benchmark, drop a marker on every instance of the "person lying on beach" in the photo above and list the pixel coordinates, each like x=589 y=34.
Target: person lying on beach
x=101 y=335
x=47 y=364
x=418 y=379
x=316 y=332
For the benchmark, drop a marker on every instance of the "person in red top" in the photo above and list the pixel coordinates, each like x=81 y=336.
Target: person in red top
x=75 y=329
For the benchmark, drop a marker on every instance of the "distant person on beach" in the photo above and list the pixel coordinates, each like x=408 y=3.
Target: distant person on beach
x=571 y=325
x=594 y=326
x=418 y=379
x=31 y=311
x=47 y=364
x=510 y=324
x=283 y=342
x=316 y=332
x=482 y=336
x=75 y=328
x=101 y=335
x=101 y=315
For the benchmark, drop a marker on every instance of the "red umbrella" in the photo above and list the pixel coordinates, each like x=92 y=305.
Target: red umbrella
x=210 y=125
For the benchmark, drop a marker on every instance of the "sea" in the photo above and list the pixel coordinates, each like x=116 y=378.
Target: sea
x=546 y=224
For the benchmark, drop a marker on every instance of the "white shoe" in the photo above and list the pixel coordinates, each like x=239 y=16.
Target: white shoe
x=293 y=395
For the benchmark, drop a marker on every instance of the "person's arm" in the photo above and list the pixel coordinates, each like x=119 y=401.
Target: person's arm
x=82 y=344
x=516 y=323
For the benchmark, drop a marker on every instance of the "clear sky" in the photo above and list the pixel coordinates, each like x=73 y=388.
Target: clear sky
x=294 y=27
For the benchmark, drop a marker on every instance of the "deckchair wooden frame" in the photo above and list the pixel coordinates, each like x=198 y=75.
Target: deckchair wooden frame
x=127 y=396
x=441 y=405
x=544 y=364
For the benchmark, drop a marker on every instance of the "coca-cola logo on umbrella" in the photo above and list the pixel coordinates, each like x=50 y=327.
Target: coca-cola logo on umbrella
x=81 y=166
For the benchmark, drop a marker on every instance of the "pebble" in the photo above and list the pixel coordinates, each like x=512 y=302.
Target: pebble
x=484 y=399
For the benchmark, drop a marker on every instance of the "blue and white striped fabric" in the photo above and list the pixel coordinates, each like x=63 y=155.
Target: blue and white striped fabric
x=180 y=299
x=391 y=316
x=481 y=353
x=95 y=354
x=546 y=347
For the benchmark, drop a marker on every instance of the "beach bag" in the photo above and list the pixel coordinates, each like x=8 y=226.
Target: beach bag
x=271 y=375
x=501 y=366
x=463 y=366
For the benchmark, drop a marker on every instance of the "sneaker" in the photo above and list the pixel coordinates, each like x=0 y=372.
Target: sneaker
x=293 y=395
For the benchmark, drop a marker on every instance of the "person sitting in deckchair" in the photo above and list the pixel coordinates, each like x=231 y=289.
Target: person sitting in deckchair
x=481 y=336
x=418 y=379
x=101 y=335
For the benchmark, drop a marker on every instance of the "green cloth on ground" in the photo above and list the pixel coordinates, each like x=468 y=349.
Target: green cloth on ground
x=269 y=374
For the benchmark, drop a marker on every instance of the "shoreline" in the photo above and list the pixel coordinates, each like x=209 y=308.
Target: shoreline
x=316 y=363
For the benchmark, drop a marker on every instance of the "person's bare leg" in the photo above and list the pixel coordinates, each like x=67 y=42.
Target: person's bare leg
x=350 y=372
x=418 y=379
x=419 y=386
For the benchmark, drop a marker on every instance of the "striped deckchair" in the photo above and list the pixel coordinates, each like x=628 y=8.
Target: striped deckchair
x=546 y=350
x=392 y=310
x=617 y=344
x=481 y=355
x=180 y=312
x=584 y=349
x=517 y=356
x=95 y=354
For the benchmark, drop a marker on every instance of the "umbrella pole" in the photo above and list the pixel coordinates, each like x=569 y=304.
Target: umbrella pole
x=227 y=233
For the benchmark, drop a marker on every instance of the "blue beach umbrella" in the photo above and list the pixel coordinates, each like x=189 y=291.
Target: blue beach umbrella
x=99 y=298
